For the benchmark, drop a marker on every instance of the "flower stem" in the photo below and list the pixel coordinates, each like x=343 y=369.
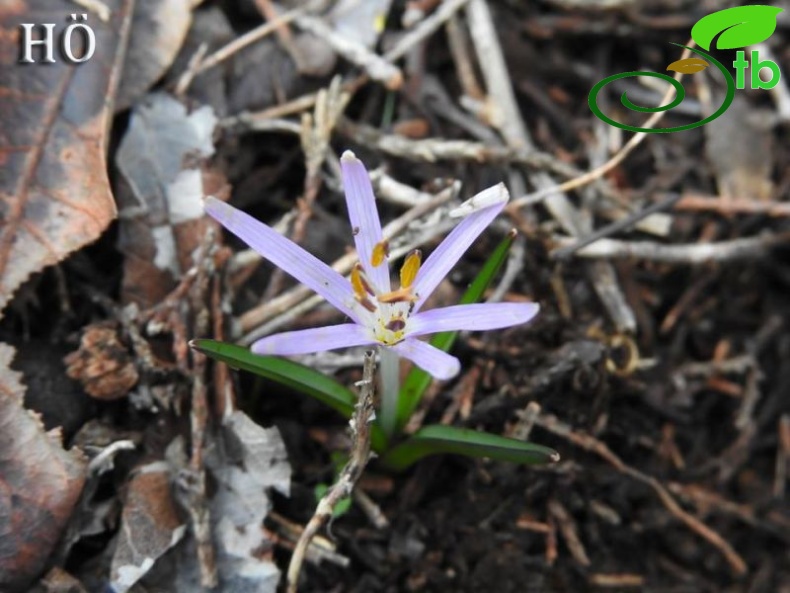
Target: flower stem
x=390 y=389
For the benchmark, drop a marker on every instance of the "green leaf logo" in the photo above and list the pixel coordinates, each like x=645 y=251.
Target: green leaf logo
x=739 y=26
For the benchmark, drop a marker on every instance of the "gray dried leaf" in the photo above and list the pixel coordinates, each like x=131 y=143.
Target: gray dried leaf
x=255 y=460
x=159 y=28
x=161 y=160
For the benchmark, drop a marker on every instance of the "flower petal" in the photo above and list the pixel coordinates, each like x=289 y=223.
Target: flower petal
x=438 y=363
x=474 y=317
x=285 y=254
x=364 y=218
x=318 y=339
x=449 y=251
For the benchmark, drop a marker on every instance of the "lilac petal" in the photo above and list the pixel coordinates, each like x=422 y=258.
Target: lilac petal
x=475 y=317
x=449 y=251
x=285 y=254
x=317 y=339
x=438 y=363
x=364 y=218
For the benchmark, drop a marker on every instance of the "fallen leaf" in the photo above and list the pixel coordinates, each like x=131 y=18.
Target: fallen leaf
x=244 y=461
x=162 y=161
x=150 y=526
x=159 y=28
x=254 y=461
x=40 y=484
x=688 y=65
x=54 y=191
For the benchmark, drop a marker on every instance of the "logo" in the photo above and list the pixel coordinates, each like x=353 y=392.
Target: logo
x=731 y=28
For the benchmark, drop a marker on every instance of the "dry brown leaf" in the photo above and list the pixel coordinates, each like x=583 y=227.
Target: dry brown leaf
x=150 y=526
x=39 y=484
x=54 y=191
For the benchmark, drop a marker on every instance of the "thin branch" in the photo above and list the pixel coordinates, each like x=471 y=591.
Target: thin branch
x=343 y=488
x=617 y=226
x=691 y=254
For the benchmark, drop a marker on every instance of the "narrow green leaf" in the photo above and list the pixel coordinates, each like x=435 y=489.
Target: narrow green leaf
x=739 y=26
x=283 y=371
x=291 y=374
x=417 y=381
x=432 y=440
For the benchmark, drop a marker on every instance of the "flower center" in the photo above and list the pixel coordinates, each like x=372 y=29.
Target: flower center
x=390 y=310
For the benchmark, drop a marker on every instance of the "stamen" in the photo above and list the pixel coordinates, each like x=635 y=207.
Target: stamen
x=402 y=295
x=359 y=283
x=410 y=268
x=365 y=302
x=380 y=251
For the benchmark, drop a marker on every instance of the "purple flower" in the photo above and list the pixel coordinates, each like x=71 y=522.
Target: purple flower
x=380 y=315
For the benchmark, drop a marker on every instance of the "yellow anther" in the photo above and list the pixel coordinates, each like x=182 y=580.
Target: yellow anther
x=380 y=251
x=357 y=283
x=410 y=268
x=402 y=295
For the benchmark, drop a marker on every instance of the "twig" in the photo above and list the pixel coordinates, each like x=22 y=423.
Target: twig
x=503 y=109
x=358 y=459
x=699 y=203
x=284 y=36
x=425 y=29
x=569 y=532
x=393 y=191
x=376 y=67
x=691 y=254
x=436 y=149
x=371 y=509
x=457 y=40
x=589 y=443
x=249 y=38
x=617 y=226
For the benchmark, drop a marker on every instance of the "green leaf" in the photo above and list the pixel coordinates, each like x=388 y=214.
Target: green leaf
x=417 y=381
x=432 y=440
x=739 y=26
x=292 y=374
x=283 y=371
